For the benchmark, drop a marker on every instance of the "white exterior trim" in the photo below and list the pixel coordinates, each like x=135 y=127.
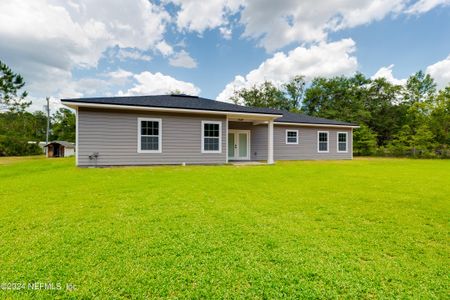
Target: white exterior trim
x=139 y=150
x=351 y=136
x=166 y=109
x=203 y=136
x=346 y=142
x=236 y=133
x=76 y=136
x=226 y=139
x=316 y=125
x=328 y=141
x=270 y=142
x=286 y=134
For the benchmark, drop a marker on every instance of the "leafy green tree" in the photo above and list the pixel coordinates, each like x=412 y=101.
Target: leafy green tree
x=286 y=97
x=19 y=130
x=10 y=85
x=340 y=98
x=37 y=126
x=264 y=95
x=419 y=87
x=294 y=92
x=364 y=141
x=385 y=118
x=418 y=95
x=423 y=142
x=63 y=125
x=440 y=118
x=17 y=146
x=401 y=143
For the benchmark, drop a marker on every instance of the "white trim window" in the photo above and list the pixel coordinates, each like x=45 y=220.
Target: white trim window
x=291 y=136
x=211 y=137
x=322 y=141
x=342 y=142
x=149 y=135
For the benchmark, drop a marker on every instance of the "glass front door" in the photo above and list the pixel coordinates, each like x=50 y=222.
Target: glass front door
x=231 y=144
x=239 y=144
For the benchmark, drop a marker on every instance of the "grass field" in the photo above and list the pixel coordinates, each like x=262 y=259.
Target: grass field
x=368 y=228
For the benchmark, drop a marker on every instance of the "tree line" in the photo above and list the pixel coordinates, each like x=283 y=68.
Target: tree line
x=21 y=130
x=395 y=120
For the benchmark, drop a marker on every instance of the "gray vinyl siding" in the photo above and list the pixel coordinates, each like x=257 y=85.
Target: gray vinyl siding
x=114 y=135
x=306 y=149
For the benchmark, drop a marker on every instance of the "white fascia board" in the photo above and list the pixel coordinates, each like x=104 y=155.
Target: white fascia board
x=315 y=125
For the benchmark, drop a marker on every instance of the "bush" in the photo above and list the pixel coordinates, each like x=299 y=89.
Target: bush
x=15 y=146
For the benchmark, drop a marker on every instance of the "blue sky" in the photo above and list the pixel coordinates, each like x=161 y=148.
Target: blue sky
x=98 y=47
x=410 y=42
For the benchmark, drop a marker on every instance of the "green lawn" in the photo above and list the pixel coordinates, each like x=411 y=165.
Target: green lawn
x=368 y=228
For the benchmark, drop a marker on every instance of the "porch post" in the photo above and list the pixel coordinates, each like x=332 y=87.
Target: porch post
x=270 y=143
x=226 y=139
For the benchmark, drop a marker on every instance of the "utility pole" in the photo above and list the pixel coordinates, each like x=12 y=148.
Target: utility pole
x=48 y=121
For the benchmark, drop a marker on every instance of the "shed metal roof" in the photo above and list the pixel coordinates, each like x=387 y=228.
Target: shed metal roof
x=63 y=143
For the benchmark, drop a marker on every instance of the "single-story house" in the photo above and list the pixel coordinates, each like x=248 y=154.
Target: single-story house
x=181 y=129
x=60 y=149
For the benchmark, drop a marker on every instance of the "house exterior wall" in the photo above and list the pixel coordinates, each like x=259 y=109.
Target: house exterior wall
x=306 y=149
x=114 y=135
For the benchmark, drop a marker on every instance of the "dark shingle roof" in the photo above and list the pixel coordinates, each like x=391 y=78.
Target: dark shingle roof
x=198 y=103
x=175 y=101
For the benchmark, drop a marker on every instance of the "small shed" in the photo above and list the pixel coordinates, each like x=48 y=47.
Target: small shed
x=60 y=149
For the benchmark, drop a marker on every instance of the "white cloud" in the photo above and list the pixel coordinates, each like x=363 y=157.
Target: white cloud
x=198 y=15
x=386 y=72
x=183 y=59
x=440 y=72
x=164 y=48
x=279 y=23
x=276 y=24
x=38 y=104
x=44 y=40
x=119 y=74
x=226 y=32
x=423 y=6
x=325 y=59
x=148 y=83
x=124 y=54
x=119 y=77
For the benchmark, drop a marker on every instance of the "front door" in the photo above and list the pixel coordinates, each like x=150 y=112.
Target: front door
x=238 y=144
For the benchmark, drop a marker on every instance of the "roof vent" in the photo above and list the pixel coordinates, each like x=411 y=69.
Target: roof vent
x=183 y=95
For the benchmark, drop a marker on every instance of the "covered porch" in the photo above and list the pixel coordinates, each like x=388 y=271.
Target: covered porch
x=250 y=139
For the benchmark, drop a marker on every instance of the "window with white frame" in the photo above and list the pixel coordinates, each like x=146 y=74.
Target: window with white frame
x=291 y=136
x=322 y=141
x=342 y=142
x=211 y=136
x=149 y=135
